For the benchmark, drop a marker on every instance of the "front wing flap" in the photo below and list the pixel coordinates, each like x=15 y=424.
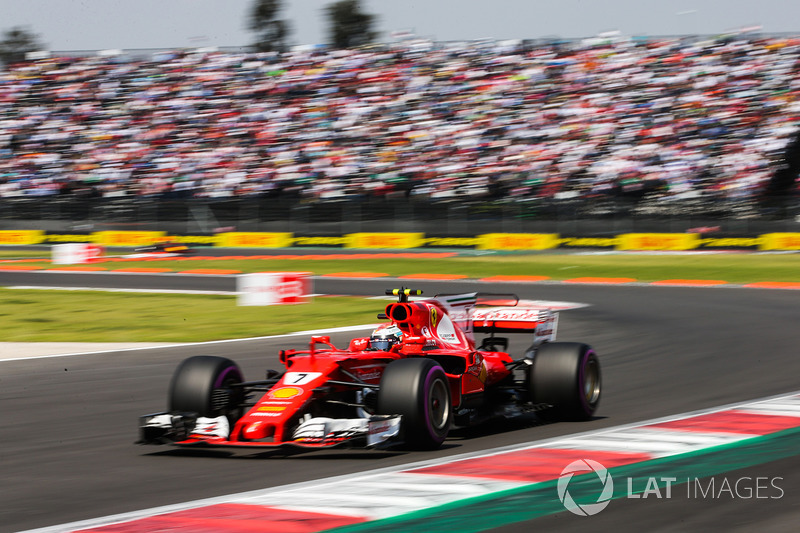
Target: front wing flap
x=187 y=429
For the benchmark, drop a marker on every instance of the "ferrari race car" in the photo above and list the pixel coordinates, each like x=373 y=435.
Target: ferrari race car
x=164 y=249
x=420 y=374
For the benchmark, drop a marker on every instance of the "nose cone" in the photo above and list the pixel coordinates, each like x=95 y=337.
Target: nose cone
x=255 y=431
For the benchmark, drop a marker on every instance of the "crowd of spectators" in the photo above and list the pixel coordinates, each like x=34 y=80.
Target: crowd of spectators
x=671 y=118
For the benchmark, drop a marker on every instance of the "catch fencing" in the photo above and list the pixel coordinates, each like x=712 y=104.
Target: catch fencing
x=576 y=217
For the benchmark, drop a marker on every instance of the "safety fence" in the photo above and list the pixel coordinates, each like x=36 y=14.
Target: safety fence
x=450 y=217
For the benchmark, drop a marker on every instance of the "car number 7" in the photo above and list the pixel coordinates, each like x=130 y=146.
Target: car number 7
x=300 y=378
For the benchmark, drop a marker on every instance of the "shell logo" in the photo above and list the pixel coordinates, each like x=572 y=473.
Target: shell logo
x=286 y=392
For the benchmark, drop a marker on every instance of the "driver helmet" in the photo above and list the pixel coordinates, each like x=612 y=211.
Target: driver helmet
x=385 y=337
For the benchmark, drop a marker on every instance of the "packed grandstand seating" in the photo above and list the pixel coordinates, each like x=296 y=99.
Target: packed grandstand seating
x=670 y=119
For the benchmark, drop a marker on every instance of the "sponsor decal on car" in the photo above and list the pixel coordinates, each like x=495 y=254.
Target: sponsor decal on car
x=523 y=315
x=478 y=368
x=285 y=392
x=272 y=408
x=446 y=331
x=372 y=374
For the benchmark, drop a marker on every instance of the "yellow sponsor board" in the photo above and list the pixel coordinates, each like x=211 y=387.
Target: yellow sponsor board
x=518 y=241
x=780 y=241
x=21 y=237
x=658 y=241
x=731 y=242
x=127 y=238
x=589 y=242
x=194 y=239
x=69 y=238
x=255 y=240
x=385 y=240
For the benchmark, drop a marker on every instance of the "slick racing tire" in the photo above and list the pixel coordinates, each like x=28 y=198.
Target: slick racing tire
x=565 y=375
x=203 y=384
x=418 y=390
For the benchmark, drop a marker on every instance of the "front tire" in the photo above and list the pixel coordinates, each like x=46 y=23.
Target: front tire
x=418 y=390
x=203 y=384
x=566 y=375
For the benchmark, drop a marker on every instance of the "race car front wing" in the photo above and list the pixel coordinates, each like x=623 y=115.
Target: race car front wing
x=377 y=431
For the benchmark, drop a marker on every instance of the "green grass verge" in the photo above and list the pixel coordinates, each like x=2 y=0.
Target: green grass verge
x=17 y=253
x=75 y=316
x=30 y=315
x=734 y=268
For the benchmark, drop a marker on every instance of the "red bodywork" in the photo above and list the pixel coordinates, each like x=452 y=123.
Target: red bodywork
x=434 y=328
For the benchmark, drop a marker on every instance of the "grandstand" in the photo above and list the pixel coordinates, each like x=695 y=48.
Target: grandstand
x=520 y=135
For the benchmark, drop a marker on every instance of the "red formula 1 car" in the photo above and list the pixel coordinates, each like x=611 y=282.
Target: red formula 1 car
x=163 y=249
x=415 y=378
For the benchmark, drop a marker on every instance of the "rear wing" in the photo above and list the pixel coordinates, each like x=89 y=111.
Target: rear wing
x=500 y=313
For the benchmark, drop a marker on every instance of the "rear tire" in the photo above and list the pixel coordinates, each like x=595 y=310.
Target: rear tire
x=566 y=375
x=418 y=390
x=203 y=384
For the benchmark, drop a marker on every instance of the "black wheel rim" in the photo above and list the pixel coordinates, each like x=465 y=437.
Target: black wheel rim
x=591 y=381
x=438 y=405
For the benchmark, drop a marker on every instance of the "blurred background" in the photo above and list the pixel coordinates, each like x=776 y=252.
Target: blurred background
x=324 y=117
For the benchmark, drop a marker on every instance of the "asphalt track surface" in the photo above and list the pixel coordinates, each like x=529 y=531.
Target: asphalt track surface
x=68 y=424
